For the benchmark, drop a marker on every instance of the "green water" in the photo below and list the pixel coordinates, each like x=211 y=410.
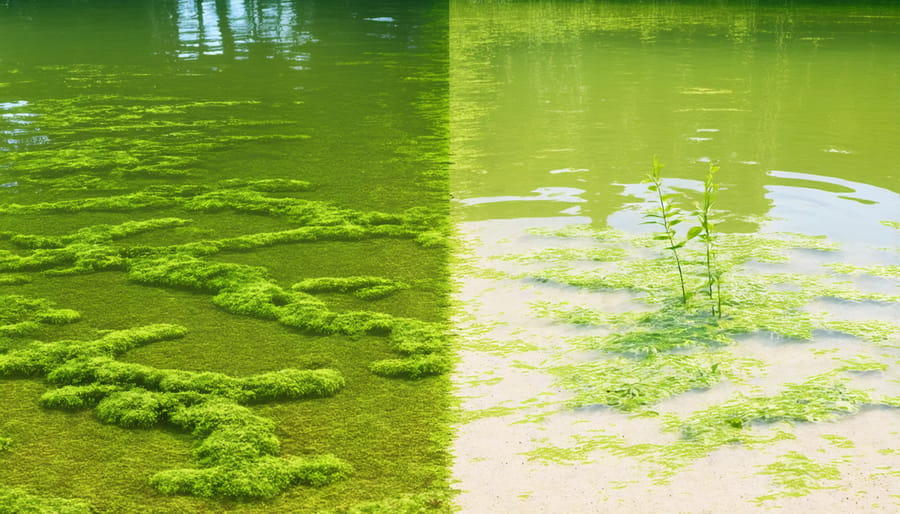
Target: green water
x=116 y=112
x=798 y=104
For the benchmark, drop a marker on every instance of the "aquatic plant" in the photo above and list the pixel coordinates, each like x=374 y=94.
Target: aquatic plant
x=667 y=216
x=705 y=231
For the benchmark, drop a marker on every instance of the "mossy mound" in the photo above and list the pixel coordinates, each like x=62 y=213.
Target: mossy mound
x=15 y=500
x=235 y=447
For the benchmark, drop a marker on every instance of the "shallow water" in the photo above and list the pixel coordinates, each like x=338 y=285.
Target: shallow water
x=556 y=113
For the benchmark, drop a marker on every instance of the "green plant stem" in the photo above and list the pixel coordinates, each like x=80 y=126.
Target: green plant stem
x=670 y=234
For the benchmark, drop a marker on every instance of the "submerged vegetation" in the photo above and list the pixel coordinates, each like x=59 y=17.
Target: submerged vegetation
x=687 y=333
x=235 y=447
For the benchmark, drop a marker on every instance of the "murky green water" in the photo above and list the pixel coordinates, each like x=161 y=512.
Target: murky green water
x=232 y=150
x=798 y=105
x=577 y=353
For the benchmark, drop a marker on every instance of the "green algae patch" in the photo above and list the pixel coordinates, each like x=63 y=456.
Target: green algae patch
x=631 y=384
x=821 y=398
x=886 y=271
x=13 y=499
x=794 y=475
x=235 y=447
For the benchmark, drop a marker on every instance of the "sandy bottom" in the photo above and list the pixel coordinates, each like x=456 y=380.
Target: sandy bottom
x=513 y=410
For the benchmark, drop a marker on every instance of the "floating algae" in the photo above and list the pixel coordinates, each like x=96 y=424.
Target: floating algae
x=235 y=448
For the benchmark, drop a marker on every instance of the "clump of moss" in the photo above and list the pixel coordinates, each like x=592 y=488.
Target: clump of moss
x=275 y=185
x=21 y=316
x=262 y=478
x=43 y=358
x=18 y=500
x=413 y=367
x=366 y=288
x=237 y=451
x=134 y=408
x=75 y=397
x=121 y=203
x=97 y=234
x=286 y=384
x=234 y=446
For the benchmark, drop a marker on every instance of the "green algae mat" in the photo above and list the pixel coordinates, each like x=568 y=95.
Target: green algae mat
x=223 y=280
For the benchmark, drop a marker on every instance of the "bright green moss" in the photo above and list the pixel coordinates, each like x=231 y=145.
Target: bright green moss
x=122 y=203
x=42 y=358
x=286 y=384
x=18 y=500
x=262 y=478
x=77 y=396
x=233 y=444
x=413 y=367
x=366 y=288
x=7 y=279
x=267 y=185
x=428 y=501
x=134 y=408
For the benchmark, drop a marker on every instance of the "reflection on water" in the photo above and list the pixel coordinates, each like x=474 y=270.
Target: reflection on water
x=217 y=27
x=604 y=87
x=853 y=214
